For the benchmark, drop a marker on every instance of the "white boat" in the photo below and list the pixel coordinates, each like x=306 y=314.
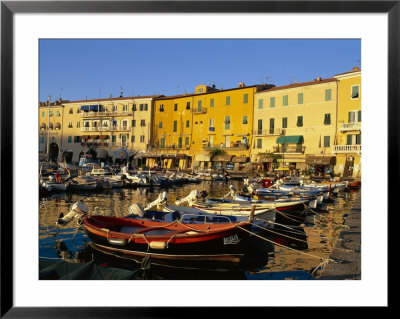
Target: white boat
x=82 y=183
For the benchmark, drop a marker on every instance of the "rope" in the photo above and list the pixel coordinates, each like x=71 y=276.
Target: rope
x=286 y=216
x=280 y=234
x=321 y=258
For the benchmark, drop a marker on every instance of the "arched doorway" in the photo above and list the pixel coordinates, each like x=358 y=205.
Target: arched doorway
x=53 y=152
x=67 y=156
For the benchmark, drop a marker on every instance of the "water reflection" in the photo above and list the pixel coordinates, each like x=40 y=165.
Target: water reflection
x=292 y=248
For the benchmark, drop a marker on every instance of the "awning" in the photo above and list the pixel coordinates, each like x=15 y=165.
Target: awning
x=139 y=154
x=168 y=155
x=182 y=156
x=101 y=153
x=93 y=108
x=240 y=159
x=104 y=137
x=266 y=159
x=150 y=155
x=85 y=108
x=94 y=137
x=84 y=137
x=222 y=158
x=297 y=139
x=321 y=160
x=202 y=158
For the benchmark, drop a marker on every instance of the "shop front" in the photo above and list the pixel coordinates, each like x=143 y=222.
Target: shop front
x=321 y=165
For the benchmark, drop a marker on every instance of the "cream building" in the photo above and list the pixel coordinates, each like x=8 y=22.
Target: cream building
x=111 y=129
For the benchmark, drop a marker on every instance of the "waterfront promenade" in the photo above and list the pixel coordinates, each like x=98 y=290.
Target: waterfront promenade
x=347 y=250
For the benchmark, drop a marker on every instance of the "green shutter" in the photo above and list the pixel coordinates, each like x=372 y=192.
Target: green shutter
x=211 y=102
x=245 y=98
x=260 y=103
x=349 y=139
x=327 y=141
x=285 y=100
x=359 y=116
x=300 y=98
x=328 y=94
x=272 y=102
x=349 y=119
x=284 y=122
x=358 y=139
x=259 y=143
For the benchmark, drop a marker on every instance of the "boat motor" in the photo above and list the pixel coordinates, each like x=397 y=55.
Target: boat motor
x=192 y=197
x=136 y=209
x=232 y=191
x=160 y=201
x=77 y=210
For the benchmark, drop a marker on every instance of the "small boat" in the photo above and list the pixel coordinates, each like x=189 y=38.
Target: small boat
x=82 y=183
x=178 y=243
x=52 y=185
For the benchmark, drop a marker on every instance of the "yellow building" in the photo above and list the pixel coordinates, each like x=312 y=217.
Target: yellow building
x=296 y=123
x=109 y=129
x=172 y=132
x=187 y=127
x=348 y=148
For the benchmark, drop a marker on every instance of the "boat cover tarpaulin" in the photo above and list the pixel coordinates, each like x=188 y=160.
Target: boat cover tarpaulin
x=297 y=139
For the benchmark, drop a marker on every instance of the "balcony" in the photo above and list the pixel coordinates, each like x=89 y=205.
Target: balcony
x=108 y=129
x=353 y=126
x=297 y=149
x=202 y=110
x=105 y=113
x=340 y=149
x=269 y=132
x=232 y=147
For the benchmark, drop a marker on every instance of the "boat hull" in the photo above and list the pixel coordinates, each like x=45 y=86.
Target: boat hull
x=226 y=246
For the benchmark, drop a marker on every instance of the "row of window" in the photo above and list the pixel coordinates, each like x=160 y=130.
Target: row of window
x=58 y=113
x=142 y=107
x=124 y=138
x=327 y=121
x=179 y=145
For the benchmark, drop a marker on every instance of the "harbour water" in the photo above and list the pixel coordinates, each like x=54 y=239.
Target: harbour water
x=292 y=254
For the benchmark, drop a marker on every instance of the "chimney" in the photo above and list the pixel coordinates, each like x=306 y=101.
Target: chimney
x=319 y=78
x=241 y=84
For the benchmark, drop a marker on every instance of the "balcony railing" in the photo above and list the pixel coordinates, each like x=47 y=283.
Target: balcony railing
x=347 y=149
x=202 y=110
x=105 y=113
x=353 y=126
x=268 y=132
x=103 y=128
x=232 y=146
x=299 y=149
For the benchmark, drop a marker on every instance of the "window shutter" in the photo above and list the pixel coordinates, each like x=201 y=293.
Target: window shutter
x=349 y=139
x=359 y=116
x=358 y=139
x=349 y=120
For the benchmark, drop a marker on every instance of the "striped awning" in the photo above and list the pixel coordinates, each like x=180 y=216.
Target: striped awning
x=104 y=137
x=94 y=137
x=84 y=137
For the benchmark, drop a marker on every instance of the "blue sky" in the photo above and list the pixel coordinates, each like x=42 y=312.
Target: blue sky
x=80 y=69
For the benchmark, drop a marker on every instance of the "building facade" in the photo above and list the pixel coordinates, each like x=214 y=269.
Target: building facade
x=113 y=129
x=296 y=125
x=188 y=127
x=348 y=147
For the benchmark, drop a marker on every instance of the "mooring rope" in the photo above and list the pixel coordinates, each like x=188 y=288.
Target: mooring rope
x=271 y=241
x=274 y=232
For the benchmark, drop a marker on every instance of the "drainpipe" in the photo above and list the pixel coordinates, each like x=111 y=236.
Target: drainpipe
x=48 y=128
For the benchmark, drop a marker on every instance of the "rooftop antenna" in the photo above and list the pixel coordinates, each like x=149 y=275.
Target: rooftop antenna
x=122 y=93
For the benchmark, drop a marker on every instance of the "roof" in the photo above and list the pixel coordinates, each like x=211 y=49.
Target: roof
x=355 y=69
x=257 y=86
x=294 y=85
x=113 y=99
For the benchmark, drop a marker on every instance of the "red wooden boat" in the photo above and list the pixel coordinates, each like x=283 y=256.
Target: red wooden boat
x=174 y=243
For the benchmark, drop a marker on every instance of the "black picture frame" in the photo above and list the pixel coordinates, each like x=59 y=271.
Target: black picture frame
x=9 y=8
